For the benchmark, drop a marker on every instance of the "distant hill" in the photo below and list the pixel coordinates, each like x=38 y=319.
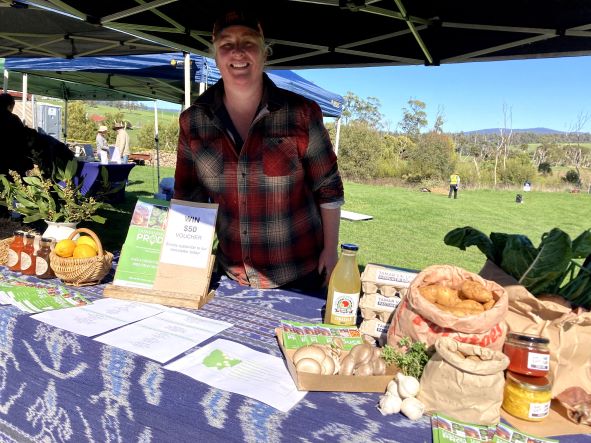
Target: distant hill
x=539 y=131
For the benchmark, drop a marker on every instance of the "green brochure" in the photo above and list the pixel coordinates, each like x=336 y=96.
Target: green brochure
x=31 y=299
x=141 y=252
x=296 y=334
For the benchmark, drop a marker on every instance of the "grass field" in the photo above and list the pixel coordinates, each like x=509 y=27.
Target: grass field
x=408 y=226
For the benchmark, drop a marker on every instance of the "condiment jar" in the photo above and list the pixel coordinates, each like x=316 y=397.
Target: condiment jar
x=14 y=251
x=528 y=354
x=526 y=397
x=42 y=263
x=28 y=255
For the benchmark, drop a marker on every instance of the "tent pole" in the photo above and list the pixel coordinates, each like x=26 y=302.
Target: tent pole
x=33 y=113
x=157 y=143
x=187 y=72
x=24 y=98
x=337 y=136
x=5 y=82
x=65 y=125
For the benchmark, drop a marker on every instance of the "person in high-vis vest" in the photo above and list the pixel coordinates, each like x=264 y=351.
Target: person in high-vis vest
x=454 y=184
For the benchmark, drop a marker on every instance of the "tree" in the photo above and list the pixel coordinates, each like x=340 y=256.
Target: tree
x=414 y=118
x=575 y=153
x=80 y=128
x=433 y=157
x=504 y=141
x=439 y=121
x=367 y=111
x=361 y=148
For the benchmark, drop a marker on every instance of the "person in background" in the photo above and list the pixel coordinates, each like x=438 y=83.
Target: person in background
x=264 y=156
x=122 y=140
x=102 y=147
x=14 y=156
x=454 y=184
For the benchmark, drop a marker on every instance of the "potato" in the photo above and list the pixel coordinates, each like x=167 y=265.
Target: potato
x=470 y=305
x=473 y=290
x=440 y=294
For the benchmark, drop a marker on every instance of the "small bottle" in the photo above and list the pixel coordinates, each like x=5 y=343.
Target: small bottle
x=28 y=255
x=343 y=289
x=14 y=251
x=42 y=264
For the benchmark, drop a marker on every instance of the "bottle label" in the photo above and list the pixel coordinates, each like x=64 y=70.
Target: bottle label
x=12 y=258
x=26 y=261
x=539 y=362
x=41 y=266
x=344 y=307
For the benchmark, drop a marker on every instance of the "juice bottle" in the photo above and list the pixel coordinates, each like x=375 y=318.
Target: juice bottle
x=14 y=251
x=343 y=289
x=28 y=255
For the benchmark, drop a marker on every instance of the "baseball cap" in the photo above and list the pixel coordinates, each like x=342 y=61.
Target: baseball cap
x=237 y=18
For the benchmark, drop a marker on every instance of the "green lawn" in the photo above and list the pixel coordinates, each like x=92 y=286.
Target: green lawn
x=408 y=226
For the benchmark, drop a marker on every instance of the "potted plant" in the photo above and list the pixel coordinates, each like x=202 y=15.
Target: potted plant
x=56 y=200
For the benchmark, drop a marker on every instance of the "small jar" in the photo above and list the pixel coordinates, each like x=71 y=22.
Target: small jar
x=42 y=263
x=528 y=354
x=526 y=397
x=28 y=255
x=14 y=251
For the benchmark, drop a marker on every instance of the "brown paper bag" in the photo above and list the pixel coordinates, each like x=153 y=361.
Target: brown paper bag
x=569 y=332
x=421 y=320
x=463 y=388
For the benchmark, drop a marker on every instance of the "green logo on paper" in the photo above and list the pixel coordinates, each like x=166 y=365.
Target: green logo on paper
x=217 y=359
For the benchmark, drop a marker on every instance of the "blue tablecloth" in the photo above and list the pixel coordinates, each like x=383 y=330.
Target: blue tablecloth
x=89 y=174
x=60 y=386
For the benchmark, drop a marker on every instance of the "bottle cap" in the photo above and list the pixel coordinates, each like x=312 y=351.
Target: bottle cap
x=349 y=247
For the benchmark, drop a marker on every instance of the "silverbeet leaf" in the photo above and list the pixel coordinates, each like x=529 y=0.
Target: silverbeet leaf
x=517 y=254
x=582 y=245
x=469 y=236
x=549 y=266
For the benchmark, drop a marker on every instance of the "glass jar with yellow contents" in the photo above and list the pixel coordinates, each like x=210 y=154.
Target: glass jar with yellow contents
x=527 y=397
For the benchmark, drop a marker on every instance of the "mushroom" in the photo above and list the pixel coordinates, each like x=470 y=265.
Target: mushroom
x=309 y=365
x=313 y=352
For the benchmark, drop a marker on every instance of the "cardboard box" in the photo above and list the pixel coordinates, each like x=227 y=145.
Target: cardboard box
x=334 y=383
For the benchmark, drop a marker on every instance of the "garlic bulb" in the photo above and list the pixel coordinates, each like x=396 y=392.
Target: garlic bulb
x=392 y=388
x=412 y=408
x=407 y=386
x=389 y=404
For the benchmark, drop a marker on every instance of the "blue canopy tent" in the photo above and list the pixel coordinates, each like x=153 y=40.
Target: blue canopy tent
x=159 y=77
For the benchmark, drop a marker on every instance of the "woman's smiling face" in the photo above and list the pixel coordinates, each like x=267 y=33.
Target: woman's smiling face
x=240 y=55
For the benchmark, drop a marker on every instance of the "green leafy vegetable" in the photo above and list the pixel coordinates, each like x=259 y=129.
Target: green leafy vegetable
x=410 y=362
x=549 y=268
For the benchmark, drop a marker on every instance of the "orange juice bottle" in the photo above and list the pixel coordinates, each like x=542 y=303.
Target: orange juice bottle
x=343 y=289
x=14 y=251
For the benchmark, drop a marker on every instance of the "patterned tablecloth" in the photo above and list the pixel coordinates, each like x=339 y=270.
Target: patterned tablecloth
x=63 y=387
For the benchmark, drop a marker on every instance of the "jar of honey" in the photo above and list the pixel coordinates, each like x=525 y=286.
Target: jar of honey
x=528 y=354
x=28 y=255
x=14 y=251
x=526 y=397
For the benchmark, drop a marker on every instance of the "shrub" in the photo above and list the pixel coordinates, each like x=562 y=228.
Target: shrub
x=545 y=168
x=572 y=177
x=360 y=151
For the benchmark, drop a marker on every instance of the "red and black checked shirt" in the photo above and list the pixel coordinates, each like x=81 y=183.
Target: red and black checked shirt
x=269 y=226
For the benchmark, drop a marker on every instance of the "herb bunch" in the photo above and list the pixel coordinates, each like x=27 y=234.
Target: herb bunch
x=411 y=359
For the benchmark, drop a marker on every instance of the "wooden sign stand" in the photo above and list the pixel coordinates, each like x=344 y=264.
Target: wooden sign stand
x=177 y=284
x=168 y=298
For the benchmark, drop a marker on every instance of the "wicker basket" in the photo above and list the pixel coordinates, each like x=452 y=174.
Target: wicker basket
x=82 y=271
x=4 y=250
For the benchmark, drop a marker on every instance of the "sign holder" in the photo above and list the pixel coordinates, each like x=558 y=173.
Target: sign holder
x=188 y=238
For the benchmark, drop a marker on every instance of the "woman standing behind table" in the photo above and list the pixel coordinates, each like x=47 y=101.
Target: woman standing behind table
x=264 y=155
x=122 y=141
x=102 y=147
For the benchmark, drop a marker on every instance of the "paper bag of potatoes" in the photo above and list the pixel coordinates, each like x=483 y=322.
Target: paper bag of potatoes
x=450 y=301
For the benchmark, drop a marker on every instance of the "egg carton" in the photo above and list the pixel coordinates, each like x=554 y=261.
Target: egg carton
x=378 y=306
x=386 y=280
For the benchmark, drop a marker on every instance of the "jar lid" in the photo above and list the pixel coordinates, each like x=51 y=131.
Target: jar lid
x=530 y=383
x=29 y=235
x=47 y=239
x=527 y=338
x=19 y=232
x=349 y=247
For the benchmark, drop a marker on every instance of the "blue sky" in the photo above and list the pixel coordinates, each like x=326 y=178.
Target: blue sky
x=547 y=93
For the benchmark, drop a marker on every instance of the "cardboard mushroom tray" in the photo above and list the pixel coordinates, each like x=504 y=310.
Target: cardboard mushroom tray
x=334 y=383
